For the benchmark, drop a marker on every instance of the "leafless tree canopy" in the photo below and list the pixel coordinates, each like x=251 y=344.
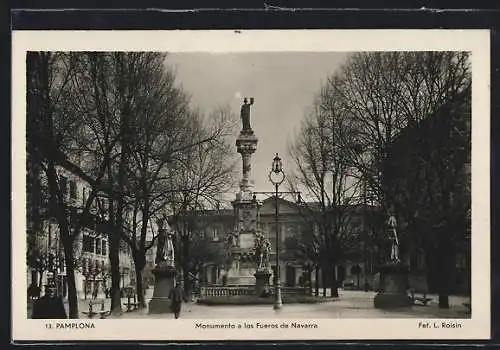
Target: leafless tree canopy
x=119 y=122
x=345 y=148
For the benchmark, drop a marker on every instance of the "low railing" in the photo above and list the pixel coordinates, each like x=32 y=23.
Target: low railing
x=290 y=291
x=227 y=291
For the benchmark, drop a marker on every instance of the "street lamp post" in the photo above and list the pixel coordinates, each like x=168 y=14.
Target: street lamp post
x=277 y=176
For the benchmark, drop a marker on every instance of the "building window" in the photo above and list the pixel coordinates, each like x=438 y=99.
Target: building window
x=98 y=246
x=215 y=234
x=291 y=231
x=72 y=190
x=84 y=195
x=104 y=247
x=87 y=244
x=63 y=184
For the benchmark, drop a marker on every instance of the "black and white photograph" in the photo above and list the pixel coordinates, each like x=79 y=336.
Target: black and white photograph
x=237 y=190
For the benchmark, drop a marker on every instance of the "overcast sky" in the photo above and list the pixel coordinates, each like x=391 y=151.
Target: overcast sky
x=283 y=85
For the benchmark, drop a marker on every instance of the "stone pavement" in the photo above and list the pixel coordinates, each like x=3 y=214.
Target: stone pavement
x=83 y=305
x=351 y=304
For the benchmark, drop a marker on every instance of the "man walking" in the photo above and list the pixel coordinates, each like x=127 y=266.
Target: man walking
x=176 y=296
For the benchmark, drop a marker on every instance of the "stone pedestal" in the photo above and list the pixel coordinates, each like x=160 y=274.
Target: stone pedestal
x=164 y=283
x=392 y=287
x=261 y=282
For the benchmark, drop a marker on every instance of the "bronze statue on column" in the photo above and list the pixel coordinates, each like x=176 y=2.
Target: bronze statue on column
x=245 y=115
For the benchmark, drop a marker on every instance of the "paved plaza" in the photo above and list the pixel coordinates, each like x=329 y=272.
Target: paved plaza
x=351 y=304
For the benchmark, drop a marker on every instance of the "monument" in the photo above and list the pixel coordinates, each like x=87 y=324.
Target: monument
x=393 y=274
x=164 y=272
x=241 y=241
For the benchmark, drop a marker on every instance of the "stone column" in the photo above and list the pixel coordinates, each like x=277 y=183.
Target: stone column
x=244 y=204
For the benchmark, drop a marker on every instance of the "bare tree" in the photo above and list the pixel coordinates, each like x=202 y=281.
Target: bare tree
x=431 y=186
x=50 y=131
x=158 y=139
x=324 y=173
x=385 y=95
x=384 y=92
x=201 y=176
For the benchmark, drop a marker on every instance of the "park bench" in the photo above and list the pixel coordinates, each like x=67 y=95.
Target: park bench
x=348 y=285
x=421 y=299
x=131 y=305
x=468 y=306
x=91 y=313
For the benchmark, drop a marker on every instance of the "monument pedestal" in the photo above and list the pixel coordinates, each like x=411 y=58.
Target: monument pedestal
x=261 y=282
x=392 y=287
x=164 y=283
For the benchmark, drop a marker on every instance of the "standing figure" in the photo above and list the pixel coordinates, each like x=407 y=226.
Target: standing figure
x=169 y=251
x=267 y=250
x=245 y=114
x=160 y=247
x=33 y=291
x=393 y=237
x=49 y=306
x=176 y=296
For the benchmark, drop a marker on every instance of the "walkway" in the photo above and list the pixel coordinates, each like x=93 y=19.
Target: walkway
x=351 y=304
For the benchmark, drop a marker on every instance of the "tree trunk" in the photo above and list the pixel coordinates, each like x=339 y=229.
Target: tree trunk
x=334 y=288
x=309 y=281
x=139 y=267
x=445 y=258
x=185 y=260
x=70 y=274
x=114 y=259
x=85 y=288
x=444 y=302
x=316 y=281
x=114 y=240
x=324 y=279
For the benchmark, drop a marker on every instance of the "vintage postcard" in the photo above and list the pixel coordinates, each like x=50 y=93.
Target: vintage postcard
x=251 y=185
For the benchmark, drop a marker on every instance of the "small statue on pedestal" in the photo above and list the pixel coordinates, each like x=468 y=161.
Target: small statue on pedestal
x=165 y=248
x=262 y=249
x=160 y=247
x=169 y=254
x=393 y=237
x=164 y=272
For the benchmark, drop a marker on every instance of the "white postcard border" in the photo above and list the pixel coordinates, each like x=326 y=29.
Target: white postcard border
x=475 y=41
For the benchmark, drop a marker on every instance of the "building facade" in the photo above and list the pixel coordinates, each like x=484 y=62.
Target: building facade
x=45 y=254
x=292 y=221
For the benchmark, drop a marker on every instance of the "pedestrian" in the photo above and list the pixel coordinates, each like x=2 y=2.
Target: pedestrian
x=49 y=306
x=176 y=296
